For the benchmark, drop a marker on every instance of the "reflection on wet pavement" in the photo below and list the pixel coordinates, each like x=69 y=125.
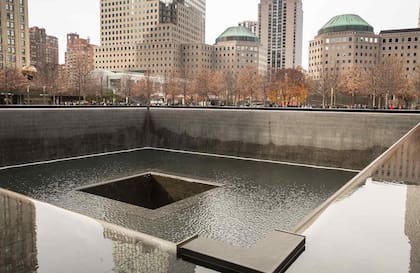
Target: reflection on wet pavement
x=37 y=237
x=375 y=228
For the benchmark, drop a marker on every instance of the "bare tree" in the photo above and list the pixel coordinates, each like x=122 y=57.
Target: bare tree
x=387 y=79
x=185 y=82
x=326 y=85
x=416 y=87
x=230 y=85
x=249 y=82
x=12 y=80
x=126 y=87
x=144 y=88
x=289 y=85
x=202 y=85
x=353 y=82
x=217 y=85
x=174 y=85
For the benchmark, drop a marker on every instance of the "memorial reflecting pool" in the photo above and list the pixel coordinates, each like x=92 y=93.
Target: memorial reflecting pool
x=253 y=198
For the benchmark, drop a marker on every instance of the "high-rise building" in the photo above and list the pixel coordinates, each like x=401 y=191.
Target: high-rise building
x=281 y=32
x=14 y=39
x=79 y=59
x=251 y=25
x=44 y=48
x=147 y=35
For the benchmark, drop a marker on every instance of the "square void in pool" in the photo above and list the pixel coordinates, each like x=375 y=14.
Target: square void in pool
x=150 y=190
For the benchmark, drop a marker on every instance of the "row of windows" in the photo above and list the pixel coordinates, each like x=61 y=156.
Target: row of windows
x=344 y=61
x=402 y=55
x=345 y=54
x=397 y=40
x=363 y=39
x=397 y=48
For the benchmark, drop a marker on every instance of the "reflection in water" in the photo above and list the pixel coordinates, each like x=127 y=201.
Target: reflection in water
x=38 y=238
x=131 y=255
x=376 y=227
x=361 y=233
x=404 y=163
x=412 y=226
x=403 y=166
x=18 y=253
x=256 y=197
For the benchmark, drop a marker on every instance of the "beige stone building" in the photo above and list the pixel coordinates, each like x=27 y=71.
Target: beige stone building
x=402 y=44
x=14 y=33
x=343 y=43
x=196 y=58
x=235 y=49
x=238 y=48
x=347 y=42
x=161 y=37
x=147 y=35
x=281 y=32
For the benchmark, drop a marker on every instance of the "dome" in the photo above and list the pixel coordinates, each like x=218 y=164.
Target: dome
x=346 y=22
x=237 y=34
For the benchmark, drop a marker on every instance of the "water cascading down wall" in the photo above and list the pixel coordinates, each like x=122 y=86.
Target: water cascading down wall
x=334 y=139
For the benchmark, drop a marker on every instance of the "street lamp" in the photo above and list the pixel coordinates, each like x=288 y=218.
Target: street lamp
x=29 y=72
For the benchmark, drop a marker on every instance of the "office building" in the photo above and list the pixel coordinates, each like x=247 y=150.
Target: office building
x=281 y=31
x=402 y=45
x=44 y=48
x=148 y=35
x=348 y=42
x=343 y=43
x=14 y=39
x=236 y=49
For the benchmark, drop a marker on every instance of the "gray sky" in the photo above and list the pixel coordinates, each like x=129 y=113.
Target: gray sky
x=60 y=17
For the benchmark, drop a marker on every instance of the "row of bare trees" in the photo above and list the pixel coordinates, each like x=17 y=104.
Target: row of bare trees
x=383 y=85
x=287 y=86
x=248 y=87
x=48 y=82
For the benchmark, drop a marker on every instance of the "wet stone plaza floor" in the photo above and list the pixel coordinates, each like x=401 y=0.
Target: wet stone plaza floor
x=242 y=200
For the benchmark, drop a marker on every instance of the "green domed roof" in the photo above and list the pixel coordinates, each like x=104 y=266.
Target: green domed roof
x=346 y=22
x=237 y=33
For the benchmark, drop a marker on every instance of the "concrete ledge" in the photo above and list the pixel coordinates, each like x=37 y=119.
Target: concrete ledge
x=273 y=254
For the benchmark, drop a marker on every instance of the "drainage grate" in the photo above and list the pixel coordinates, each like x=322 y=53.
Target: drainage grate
x=150 y=190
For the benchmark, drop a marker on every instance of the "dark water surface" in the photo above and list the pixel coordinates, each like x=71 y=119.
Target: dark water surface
x=256 y=197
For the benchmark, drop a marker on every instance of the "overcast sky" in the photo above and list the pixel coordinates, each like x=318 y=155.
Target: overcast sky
x=60 y=17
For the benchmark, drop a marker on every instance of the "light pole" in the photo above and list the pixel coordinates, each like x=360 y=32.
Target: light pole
x=43 y=94
x=29 y=72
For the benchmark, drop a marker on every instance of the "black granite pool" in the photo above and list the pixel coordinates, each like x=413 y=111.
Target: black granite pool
x=252 y=198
